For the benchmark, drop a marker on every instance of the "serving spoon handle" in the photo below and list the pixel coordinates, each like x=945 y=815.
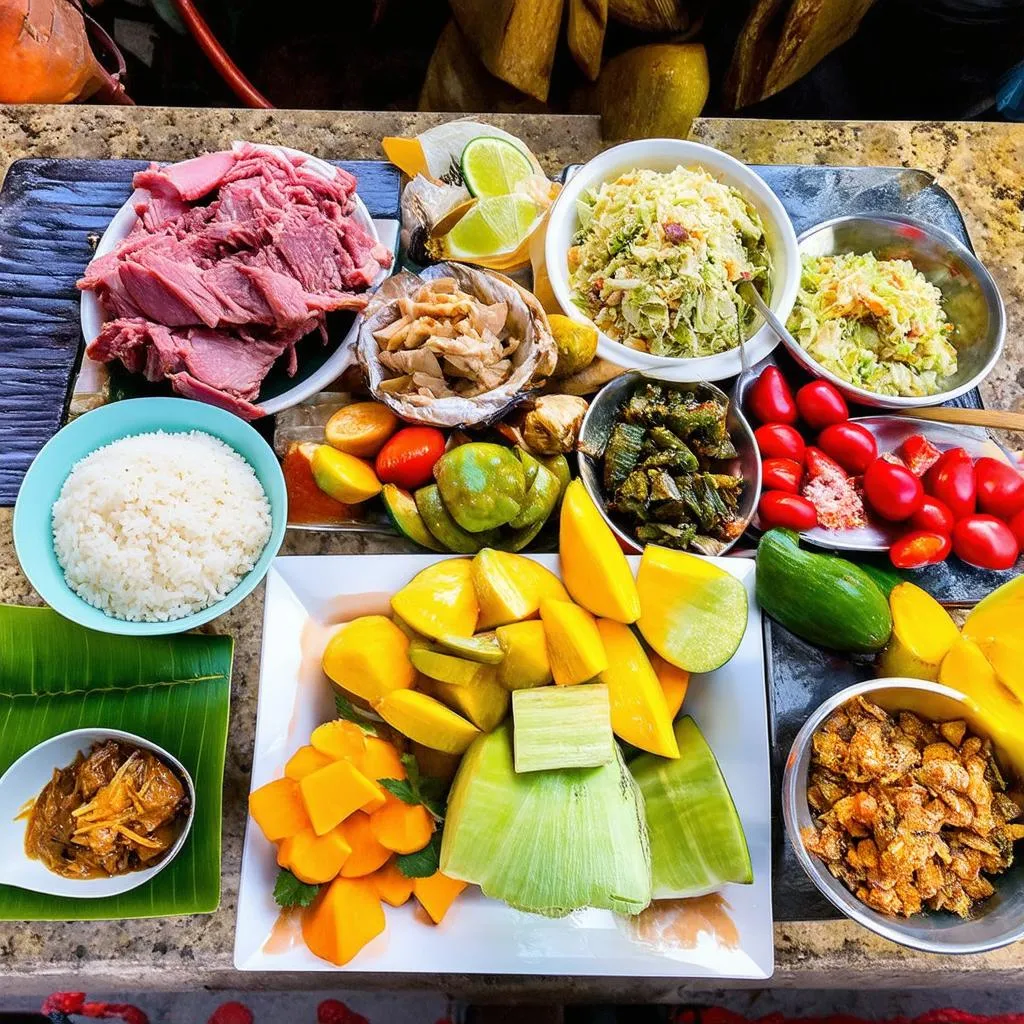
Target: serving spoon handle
x=1001 y=419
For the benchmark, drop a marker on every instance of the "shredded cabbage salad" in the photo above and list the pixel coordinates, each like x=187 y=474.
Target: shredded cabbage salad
x=878 y=324
x=657 y=256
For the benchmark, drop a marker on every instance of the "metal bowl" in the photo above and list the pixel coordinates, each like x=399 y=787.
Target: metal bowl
x=597 y=426
x=997 y=922
x=970 y=297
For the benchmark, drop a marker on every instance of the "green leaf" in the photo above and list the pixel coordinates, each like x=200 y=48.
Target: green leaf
x=175 y=691
x=423 y=863
x=401 y=789
x=427 y=790
x=346 y=710
x=290 y=892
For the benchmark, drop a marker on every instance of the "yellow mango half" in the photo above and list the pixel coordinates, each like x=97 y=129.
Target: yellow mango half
x=345 y=917
x=441 y=600
x=594 y=569
x=369 y=657
x=674 y=683
x=525 y=664
x=922 y=633
x=693 y=613
x=1000 y=616
x=427 y=721
x=575 y=650
x=639 y=713
x=510 y=587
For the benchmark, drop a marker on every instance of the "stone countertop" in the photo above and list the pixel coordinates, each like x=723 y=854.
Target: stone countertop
x=981 y=165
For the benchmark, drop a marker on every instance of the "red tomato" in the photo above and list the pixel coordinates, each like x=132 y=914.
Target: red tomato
x=1016 y=525
x=777 y=508
x=780 y=441
x=892 y=490
x=821 y=404
x=1000 y=488
x=932 y=515
x=851 y=445
x=781 y=475
x=770 y=400
x=985 y=541
x=952 y=481
x=919 y=454
x=408 y=457
x=919 y=548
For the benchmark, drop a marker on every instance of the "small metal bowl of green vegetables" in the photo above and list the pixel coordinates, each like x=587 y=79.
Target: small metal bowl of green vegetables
x=670 y=463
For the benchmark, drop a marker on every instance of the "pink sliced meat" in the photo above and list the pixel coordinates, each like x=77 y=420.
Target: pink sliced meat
x=228 y=363
x=188 y=180
x=191 y=387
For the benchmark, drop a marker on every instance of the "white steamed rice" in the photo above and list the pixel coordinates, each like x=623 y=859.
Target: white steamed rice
x=158 y=526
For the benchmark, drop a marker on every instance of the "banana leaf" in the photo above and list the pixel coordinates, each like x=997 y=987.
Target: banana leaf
x=175 y=691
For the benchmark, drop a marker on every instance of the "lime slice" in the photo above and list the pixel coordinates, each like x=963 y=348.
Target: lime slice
x=492 y=226
x=493 y=167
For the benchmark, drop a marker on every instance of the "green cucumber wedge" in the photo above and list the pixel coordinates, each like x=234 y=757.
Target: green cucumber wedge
x=696 y=837
x=402 y=511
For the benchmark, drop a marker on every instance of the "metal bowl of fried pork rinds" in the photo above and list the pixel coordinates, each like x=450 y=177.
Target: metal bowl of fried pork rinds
x=911 y=809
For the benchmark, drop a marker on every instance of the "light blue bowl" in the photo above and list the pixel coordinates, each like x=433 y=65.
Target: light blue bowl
x=33 y=526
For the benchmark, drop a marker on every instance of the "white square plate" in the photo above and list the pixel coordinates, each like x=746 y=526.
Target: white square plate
x=707 y=938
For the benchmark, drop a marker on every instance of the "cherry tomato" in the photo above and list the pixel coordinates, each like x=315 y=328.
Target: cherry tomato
x=770 y=400
x=932 y=515
x=1000 y=488
x=919 y=454
x=985 y=541
x=408 y=457
x=892 y=490
x=919 y=548
x=952 y=481
x=851 y=445
x=821 y=404
x=781 y=475
x=777 y=508
x=780 y=441
x=1016 y=525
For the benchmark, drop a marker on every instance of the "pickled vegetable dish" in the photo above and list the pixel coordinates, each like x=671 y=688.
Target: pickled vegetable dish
x=878 y=324
x=665 y=470
x=657 y=258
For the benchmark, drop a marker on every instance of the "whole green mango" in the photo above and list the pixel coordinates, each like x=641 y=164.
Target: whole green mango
x=482 y=485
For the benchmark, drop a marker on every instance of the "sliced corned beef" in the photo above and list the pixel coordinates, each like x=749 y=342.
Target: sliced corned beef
x=229 y=364
x=189 y=180
x=191 y=387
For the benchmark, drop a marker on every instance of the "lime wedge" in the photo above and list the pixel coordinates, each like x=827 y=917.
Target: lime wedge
x=493 y=167
x=492 y=226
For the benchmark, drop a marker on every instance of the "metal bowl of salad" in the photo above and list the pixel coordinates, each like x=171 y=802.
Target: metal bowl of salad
x=894 y=312
x=649 y=242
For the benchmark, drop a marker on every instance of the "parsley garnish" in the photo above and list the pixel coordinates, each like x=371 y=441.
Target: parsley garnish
x=290 y=892
x=345 y=710
x=423 y=863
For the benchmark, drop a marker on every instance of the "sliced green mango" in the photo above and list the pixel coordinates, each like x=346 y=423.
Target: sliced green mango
x=541 y=499
x=437 y=520
x=401 y=509
x=482 y=647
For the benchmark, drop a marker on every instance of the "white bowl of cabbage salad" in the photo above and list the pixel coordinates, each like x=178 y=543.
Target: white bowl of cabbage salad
x=647 y=242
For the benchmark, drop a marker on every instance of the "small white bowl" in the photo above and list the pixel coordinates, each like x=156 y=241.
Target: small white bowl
x=24 y=781
x=307 y=385
x=666 y=155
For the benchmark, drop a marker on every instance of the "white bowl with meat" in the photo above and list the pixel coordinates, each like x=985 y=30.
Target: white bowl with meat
x=216 y=268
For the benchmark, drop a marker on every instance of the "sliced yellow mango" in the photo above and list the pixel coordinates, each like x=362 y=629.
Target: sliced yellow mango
x=339 y=740
x=922 y=633
x=639 y=713
x=305 y=760
x=436 y=894
x=369 y=657
x=510 y=587
x=381 y=760
x=694 y=614
x=449 y=669
x=427 y=721
x=392 y=886
x=1007 y=660
x=278 y=809
x=484 y=702
x=311 y=858
x=526 y=655
x=998 y=616
x=334 y=792
x=574 y=645
x=594 y=569
x=440 y=600
x=345 y=917
x=674 y=683
x=342 y=476
x=367 y=854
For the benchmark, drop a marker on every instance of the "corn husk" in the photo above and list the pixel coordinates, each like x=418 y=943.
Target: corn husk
x=547 y=842
x=532 y=361
x=588 y=20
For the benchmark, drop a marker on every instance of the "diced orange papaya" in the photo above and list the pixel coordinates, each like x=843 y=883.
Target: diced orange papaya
x=340 y=741
x=345 y=917
x=392 y=886
x=367 y=854
x=335 y=791
x=436 y=894
x=402 y=827
x=305 y=760
x=278 y=809
x=311 y=858
x=382 y=760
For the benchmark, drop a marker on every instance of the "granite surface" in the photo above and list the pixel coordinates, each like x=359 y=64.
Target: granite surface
x=981 y=165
